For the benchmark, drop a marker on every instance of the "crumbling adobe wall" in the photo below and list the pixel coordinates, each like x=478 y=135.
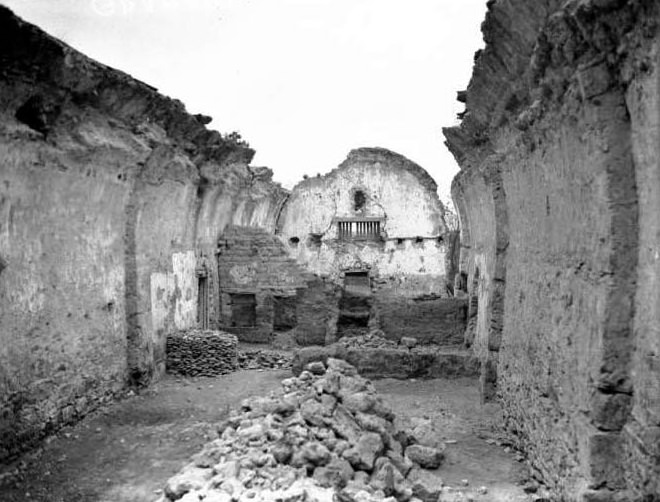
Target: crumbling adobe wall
x=428 y=318
x=411 y=245
x=217 y=196
x=558 y=195
x=317 y=312
x=641 y=433
x=253 y=261
x=106 y=192
x=479 y=238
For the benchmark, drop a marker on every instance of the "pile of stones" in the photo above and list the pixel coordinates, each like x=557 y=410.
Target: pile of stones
x=325 y=436
x=251 y=359
x=375 y=340
x=196 y=352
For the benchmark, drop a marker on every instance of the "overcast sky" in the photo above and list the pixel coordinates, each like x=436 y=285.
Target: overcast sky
x=304 y=81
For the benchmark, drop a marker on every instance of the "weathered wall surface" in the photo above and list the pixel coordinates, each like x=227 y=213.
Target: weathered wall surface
x=478 y=245
x=317 y=312
x=558 y=200
x=411 y=246
x=62 y=336
x=188 y=218
x=255 y=262
x=641 y=433
x=431 y=320
x=111 y=196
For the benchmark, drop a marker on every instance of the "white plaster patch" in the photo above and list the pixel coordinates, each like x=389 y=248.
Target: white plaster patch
x=176 y=289
x=185 y=315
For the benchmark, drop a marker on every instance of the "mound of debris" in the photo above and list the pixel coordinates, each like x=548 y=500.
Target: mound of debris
x=325 y=436
x=252 y=359
x=374 y=340
x=197 y=352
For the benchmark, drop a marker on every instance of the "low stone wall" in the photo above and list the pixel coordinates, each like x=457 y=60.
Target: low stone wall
x=202 y=353
x=421 y=362
x=430 y=319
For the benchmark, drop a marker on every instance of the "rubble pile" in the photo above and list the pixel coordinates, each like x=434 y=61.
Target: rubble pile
x=198 y=352
x=373 y=340
x=376 y=340
x=252 y=359
x=325 y=436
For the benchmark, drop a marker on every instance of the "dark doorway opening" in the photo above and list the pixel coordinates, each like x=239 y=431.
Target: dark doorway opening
x=354 y=314
x=354 y=304
x=203 y=302
x=359 y=200
x=284 y=313
x=243 y=310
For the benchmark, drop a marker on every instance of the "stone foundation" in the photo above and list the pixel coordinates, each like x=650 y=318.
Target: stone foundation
x=393 y=362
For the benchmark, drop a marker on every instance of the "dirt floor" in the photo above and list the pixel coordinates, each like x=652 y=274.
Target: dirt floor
x=125 y=452
x=480 y=464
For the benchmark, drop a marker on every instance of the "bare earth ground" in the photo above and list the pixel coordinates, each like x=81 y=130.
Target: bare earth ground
x=125 y=452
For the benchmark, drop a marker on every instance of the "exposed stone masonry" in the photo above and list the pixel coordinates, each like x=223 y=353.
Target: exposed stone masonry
x=375 y=356
x=254 y=262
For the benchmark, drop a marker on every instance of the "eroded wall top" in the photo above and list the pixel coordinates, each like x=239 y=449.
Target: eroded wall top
x=371 y=182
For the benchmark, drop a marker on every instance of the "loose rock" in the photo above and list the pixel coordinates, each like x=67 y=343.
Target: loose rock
x=425 y=456
x=326 y=435
x=425 y=485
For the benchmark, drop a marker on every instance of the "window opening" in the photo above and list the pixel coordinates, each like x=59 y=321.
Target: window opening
x=359 y=200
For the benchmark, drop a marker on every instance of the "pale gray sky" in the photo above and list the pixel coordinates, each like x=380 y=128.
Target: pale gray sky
x=304 y=81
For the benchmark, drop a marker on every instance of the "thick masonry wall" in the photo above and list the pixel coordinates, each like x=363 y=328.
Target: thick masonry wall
x=558 y=200
x=62 y=339
x=254 y=262
x=641 y=433
x=111 y=198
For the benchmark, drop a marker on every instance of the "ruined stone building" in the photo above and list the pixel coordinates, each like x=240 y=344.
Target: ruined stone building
x=354 y=250
x=375 y=226
x=124 y=219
